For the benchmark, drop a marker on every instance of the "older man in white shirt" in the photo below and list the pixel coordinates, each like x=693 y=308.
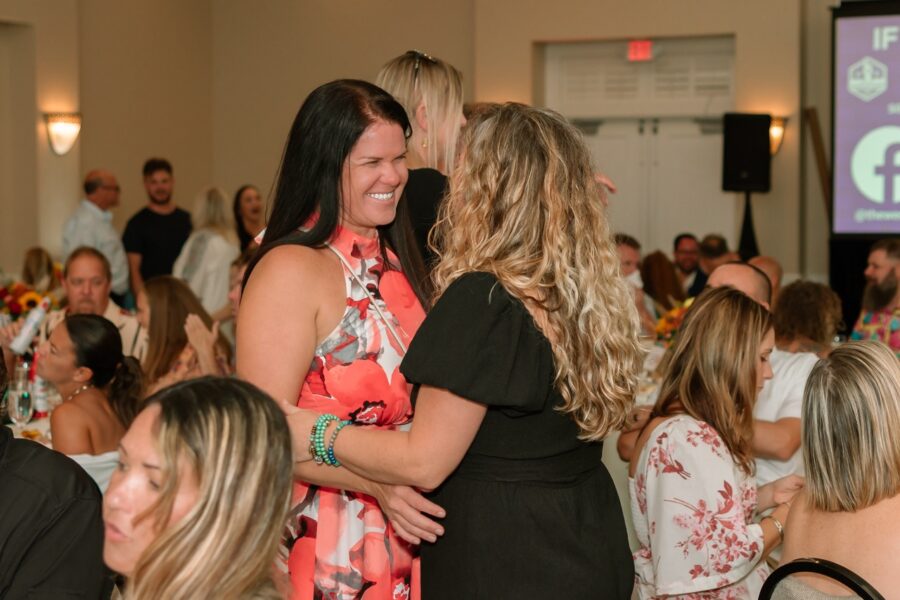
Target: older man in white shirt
x=91 y=225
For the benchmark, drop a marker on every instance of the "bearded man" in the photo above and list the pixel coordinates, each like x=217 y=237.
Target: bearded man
x=880 y=316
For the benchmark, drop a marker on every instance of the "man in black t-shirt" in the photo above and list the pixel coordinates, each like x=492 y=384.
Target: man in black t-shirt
x=155 y=234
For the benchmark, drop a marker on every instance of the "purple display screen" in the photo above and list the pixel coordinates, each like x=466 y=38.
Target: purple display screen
x=867 y=125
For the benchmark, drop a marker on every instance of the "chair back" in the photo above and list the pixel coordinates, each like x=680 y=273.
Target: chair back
x=841 y=574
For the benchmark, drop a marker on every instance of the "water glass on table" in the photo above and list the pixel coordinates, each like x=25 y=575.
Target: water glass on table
x=20 y=407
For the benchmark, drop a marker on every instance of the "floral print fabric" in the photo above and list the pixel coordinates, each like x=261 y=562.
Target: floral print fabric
x=882 y=325
x=692 y=508
x=341 y=545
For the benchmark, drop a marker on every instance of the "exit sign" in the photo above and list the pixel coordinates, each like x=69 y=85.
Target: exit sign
x=640 y=50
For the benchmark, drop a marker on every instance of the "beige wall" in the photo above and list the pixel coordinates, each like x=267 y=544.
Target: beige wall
x=767 y=71
x=41 y=48
x=214 y=85
x=267 y=56
x=816 y=94
x=146 y=83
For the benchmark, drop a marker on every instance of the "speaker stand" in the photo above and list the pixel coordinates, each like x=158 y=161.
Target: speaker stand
x=747 y=247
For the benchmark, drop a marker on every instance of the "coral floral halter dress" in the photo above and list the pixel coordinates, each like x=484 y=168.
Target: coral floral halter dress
x=341 y=546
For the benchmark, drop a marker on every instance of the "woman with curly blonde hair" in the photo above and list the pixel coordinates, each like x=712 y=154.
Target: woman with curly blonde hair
x=527 y=360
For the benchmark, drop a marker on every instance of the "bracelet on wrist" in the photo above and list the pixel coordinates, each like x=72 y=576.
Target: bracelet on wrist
x=330 y=458
x=778 y=526
x=317 y=438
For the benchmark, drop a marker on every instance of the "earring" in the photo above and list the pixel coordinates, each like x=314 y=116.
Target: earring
x=425 y=144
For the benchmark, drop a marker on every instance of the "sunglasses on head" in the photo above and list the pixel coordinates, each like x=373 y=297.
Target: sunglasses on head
x=419 y=57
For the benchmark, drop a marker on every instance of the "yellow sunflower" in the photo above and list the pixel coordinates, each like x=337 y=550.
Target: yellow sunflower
x=29 y=300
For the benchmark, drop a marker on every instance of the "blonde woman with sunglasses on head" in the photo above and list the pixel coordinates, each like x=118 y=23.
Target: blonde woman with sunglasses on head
x=431 y=92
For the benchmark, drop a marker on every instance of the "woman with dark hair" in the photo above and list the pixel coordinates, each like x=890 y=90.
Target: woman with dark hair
x=249 y=214
x=325 y=319
x=100 y=386
x=183 y=341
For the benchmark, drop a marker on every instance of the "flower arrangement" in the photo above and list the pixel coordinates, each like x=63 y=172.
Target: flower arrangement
x=668 y=324
x=17 y=298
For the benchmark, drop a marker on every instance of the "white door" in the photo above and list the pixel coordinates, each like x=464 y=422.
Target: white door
x=618 y=150
x=668 y=173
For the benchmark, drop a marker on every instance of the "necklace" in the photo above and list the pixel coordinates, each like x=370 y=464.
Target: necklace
x=78 y=391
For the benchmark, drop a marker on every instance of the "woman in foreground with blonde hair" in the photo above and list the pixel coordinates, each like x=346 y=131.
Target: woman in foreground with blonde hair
x=693 y=494
x=848 y=511
x=528 y=358
x=197 y=504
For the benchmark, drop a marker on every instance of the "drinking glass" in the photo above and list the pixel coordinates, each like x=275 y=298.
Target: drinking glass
x=20 y=407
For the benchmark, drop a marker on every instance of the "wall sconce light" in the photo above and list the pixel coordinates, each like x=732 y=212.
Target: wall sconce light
x=776 y=134
x=62 y=131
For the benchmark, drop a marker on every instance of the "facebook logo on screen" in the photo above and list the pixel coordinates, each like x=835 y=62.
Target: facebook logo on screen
x=889 y=170
x=875 y=165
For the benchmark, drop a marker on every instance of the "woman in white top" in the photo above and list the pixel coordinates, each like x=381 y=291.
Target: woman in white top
x=693 y=494
x=205 y=260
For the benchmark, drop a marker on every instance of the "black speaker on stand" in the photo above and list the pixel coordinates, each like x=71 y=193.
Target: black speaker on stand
x=746 y=167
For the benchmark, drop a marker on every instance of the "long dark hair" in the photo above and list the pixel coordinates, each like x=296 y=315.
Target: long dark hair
x=244 y=236
x=98 y=347
x=328 y=125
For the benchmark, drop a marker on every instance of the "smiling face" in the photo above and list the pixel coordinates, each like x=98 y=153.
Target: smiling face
x=373 y=178
x=134 y=489
x=250 y=205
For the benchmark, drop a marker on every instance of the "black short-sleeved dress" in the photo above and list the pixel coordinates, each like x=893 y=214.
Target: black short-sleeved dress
x=531 y=510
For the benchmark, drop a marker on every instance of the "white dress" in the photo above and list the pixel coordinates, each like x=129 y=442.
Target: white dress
x=205 y=264
x=692 y=508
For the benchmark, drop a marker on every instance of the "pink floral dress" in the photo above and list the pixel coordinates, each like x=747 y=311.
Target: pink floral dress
x=340 y=545
x=692 y=508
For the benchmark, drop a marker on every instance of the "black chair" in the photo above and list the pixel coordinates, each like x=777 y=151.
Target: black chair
x=843 y=575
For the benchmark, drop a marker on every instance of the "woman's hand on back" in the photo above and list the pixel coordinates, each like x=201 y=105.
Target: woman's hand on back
x=406 y=509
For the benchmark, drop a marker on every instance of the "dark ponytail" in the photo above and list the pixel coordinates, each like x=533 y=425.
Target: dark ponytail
x=126 y=390
x=98 y=347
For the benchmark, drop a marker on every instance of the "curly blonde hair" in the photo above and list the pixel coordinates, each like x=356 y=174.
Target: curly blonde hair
x=523 y=205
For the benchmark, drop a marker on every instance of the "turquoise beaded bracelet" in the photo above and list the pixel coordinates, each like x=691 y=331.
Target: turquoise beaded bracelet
x=317 y=438
x=330 y=458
